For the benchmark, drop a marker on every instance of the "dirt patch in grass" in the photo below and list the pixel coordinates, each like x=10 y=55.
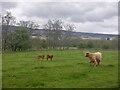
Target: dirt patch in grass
x=110 y=65
x=41 y=67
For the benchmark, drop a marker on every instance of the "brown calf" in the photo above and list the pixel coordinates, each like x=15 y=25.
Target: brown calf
x=41 y=56
x=49 y=56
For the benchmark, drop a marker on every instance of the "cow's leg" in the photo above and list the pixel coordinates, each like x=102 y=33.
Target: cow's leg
x=94 y=63
x=98 y=62
x=90 y=63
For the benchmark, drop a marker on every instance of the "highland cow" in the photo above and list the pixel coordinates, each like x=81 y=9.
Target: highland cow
x=94 y=57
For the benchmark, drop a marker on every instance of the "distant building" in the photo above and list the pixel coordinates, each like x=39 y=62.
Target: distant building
x=97 y=38
x=92 y=38
x=40 y=37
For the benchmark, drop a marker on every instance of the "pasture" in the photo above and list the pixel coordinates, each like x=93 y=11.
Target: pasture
x=69 y=69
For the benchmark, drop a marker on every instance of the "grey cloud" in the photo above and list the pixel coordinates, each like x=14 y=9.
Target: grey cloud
x=89 y=17
x=98 y=14
x=9 y=5
x=77 y=12
x=59 y=10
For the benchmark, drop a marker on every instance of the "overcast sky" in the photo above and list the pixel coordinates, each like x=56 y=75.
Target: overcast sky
x=96 y=17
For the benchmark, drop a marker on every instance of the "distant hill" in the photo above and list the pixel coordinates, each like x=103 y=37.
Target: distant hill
x=83 y=34
x=94 y=35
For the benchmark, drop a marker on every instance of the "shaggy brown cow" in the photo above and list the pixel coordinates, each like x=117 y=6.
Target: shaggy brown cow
x=49 y=56
x=94 y=57
x=41 y=56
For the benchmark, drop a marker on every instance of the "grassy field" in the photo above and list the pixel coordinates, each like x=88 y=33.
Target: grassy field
x=69 y=69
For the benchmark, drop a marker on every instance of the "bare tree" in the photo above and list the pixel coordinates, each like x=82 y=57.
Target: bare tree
x=28 y=24
x=32 y=25
x=53 y=33
x=23 y=23
x=6 y=20
x=68 y=34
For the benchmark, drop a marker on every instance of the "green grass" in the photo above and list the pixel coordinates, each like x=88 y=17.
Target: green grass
x=69 y=69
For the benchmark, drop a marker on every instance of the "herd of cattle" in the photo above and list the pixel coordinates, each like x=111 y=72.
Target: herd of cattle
x=95 y=58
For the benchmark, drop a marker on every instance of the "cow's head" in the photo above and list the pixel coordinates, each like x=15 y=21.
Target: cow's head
x=87 y=54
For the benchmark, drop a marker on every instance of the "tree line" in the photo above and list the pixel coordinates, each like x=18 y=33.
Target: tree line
x=20 y=38
x=57 y=35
